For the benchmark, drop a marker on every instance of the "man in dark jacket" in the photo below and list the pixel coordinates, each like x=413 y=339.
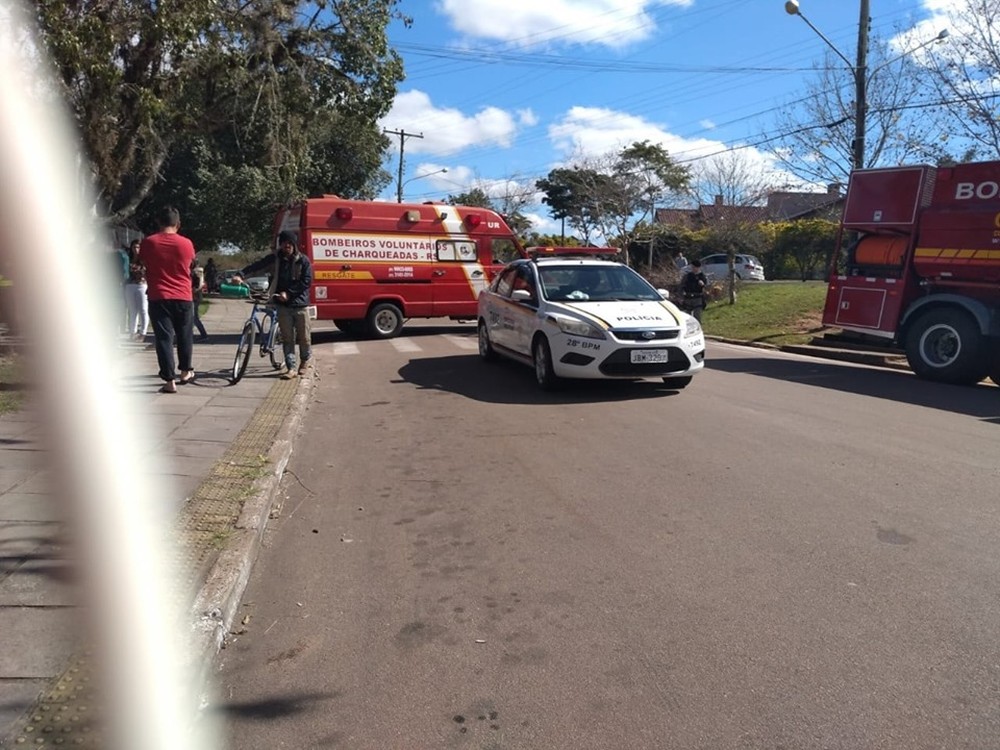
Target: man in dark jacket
x=291 y=277
x=693 y=289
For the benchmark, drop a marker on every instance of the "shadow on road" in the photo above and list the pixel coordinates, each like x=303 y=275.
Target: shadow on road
x=512 y=383
x=981 y=401
x=276 y=708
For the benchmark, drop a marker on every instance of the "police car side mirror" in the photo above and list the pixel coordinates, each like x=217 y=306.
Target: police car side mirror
x=664 y=293
x=521 y=295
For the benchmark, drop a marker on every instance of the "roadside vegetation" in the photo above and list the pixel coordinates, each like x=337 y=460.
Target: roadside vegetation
x=11 y=383
x=769 y=312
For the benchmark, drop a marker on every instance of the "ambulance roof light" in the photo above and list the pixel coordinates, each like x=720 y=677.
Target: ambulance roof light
x=344 y=213
x=413 y=216
x=473 y=220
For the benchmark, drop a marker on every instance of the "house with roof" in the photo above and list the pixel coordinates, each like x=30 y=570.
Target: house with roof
x=781 y=205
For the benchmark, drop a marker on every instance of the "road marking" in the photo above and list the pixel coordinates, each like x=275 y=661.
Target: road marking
x=463 y=342
x=404 y=345
x=345 y=347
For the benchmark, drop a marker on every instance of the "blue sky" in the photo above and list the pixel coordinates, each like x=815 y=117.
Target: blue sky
x=509 y=89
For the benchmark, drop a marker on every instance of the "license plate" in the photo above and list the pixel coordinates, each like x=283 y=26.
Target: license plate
x=644 y=356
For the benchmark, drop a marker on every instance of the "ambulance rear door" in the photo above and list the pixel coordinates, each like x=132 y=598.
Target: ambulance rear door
x=458 y=277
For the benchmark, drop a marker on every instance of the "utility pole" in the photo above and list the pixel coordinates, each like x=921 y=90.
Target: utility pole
x=861 y=87
x=403 y=135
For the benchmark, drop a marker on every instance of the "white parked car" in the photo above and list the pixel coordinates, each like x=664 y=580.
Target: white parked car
x=258 y=284
x=716 y=267
x=581 y=317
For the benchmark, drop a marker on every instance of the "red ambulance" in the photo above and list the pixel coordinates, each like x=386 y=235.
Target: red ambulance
x=375 y=264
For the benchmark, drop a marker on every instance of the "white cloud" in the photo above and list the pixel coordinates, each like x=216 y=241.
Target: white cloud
x=611 y=23
x=594 y=131
x=526 y=117
x=447 y=130
x=586 y=132
x=707 y=124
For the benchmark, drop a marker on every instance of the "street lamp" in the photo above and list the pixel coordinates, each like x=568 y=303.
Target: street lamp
x=399 y=194
x=858 y=70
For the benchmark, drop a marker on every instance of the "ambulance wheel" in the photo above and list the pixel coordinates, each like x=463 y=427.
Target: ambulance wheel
x=351 y=326
x=385 y=320
x=486 y=350
x=946 y=346
x=678 y=383
x=544 y=375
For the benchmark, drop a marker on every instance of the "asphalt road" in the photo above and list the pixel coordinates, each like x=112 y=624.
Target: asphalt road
x=791 y=553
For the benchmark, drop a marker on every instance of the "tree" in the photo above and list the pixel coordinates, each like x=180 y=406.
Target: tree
x=506 y=197
x=642 y=175
x=804 y=245
x=735 y=177
x=253 y=85
x=615 y=194
x=570 y=192
x=816 y=133
x=967 y=77
x=475 y=196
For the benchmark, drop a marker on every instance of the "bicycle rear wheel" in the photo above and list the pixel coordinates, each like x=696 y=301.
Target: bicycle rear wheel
x=243 y=351
x=277 y=351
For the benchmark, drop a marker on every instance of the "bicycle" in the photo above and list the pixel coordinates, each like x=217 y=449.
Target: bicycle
x=263 y=322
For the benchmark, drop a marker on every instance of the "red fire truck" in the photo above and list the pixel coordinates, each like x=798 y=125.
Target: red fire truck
x=924 y=271
x=376 y=264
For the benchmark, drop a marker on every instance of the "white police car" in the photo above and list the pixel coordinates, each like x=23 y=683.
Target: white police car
x=581 y=316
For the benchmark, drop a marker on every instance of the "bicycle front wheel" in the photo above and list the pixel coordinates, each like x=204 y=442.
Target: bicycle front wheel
x=243 y=351
x=277 y=351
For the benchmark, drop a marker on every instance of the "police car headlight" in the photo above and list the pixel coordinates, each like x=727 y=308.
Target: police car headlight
x=575 y=327
x=692 y=327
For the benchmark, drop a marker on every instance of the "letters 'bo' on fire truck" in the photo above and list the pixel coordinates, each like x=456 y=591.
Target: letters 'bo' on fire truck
x=925 y=269
x=376 y=264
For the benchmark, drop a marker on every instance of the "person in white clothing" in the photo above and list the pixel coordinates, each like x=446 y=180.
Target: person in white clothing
x=135 y=295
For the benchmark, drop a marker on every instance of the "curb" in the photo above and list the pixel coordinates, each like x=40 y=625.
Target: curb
x=876 y=359
x=218 y=600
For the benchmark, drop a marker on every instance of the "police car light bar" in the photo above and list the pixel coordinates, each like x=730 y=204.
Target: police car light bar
x=552 y=251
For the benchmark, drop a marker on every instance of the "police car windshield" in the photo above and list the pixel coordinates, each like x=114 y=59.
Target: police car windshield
x=580 y=283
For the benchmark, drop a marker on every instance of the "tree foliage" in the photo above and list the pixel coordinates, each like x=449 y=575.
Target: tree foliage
x=967 y=78
x=801 y=247
x=614 y=194
x=816 y=132
x=271 y=98
x=507 y=198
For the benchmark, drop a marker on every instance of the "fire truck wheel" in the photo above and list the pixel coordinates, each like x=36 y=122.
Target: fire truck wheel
x=542 y=356
x=384 y=320
x=946 y=346
x=486 y=350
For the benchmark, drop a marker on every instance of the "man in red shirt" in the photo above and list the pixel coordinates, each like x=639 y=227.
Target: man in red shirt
x=168 y=257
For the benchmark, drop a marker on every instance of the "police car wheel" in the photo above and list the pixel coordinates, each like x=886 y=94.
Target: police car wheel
x=486 y=350
x=384 y=321
x=542 y=356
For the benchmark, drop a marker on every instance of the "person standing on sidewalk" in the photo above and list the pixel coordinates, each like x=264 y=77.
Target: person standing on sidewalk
x=694 y=287
x=197 y=282
x=135 y=295
x=169 y=257
x=291 y=279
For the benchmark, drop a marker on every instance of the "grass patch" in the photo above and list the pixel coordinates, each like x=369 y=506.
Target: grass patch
x=12 y=383
x=770 y=312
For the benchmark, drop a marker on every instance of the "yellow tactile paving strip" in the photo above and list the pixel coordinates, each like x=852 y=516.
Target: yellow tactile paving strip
x=68 y=713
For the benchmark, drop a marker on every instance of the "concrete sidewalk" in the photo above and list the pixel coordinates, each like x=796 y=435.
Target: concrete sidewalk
x=222 y=441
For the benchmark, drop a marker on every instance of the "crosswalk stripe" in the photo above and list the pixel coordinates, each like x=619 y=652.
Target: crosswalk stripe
x=404 y=345
x=463 y=342
x=345 y=347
